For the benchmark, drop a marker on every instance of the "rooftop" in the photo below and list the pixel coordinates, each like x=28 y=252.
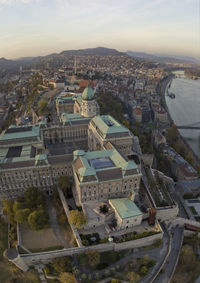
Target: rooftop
x=103 y=164
x=108 y=125
x=13 y=133
x=125 y=207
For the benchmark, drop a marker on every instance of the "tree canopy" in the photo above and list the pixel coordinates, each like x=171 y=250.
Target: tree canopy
x=62 y=264
x=34 y=197
x=38 y=219
x=65 y=184
x=21 y=215
x=93 y=257
x=66 y=277
x=77 y=218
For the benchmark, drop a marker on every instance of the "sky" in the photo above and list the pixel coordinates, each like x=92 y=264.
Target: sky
x=41 y=27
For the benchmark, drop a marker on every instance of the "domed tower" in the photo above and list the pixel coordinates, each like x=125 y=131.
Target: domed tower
x=89 y=106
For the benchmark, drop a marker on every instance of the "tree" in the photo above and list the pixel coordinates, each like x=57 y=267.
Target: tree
x=42 y=106
x=93 y=257
x=143 y=270
x=77 y=218
x=62 y=264
x=22 y=215
x=34 y=197
x=172 y=134
x=66 y=277
x=7 y=206
x=114 y=281
x=65 y=184
x=133 y=277
x=17 y=205
x=189 y=157
x=187 y=255
x=38 y=219
x=126 y=123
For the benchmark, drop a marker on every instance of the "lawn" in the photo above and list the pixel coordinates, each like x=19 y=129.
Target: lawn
x=8 y=270
x=36 y=240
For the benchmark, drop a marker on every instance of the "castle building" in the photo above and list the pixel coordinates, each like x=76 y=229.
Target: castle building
x=100 y=175
x=92 y=149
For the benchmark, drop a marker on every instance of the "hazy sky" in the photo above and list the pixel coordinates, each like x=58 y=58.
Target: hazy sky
x=39 y=27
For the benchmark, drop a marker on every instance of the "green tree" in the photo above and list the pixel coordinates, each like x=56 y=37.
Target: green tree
x=62 y=264
x=77 y=218
x=133 y=277
x=65 y=184
x=143 y=270
x=38 y=219
x=34 y=197
x=93 y=257
x=66 y=277
x=21 y=215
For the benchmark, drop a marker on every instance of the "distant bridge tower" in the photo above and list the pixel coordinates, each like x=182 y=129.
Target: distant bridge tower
x=75 y=65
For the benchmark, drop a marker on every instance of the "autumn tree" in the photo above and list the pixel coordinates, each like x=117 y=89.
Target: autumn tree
x=66 y=277
x=42 y=106
x=77 y=218
x=7 y=206
x=62 y=264
x=133 y=277
x=21 y=215
x=172 y=134
x=93 y=257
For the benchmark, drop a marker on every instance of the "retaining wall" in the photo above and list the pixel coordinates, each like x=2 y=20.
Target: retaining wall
x=24 y=261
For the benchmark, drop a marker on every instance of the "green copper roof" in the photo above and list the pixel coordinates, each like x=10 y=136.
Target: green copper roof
x=88 y=93
x=34 y=131
x=116 y=160
x=108 y=125
x=125 y=207
x=41 y=157
x=65 y=117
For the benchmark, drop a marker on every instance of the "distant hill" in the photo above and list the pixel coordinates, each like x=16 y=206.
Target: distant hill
x=163 y=58
x=25 y=61
x=8 y=64
x=93 y=51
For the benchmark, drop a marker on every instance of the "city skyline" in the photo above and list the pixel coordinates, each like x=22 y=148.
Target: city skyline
x=40 y=27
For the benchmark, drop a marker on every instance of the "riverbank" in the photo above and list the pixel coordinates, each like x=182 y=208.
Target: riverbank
x=163 y=88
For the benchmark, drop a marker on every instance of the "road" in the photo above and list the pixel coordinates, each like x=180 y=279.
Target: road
x=171 y=263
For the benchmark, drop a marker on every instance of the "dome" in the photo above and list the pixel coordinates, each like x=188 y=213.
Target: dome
x=88 y=93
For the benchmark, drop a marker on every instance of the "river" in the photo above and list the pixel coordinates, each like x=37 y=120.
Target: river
x=185 y=108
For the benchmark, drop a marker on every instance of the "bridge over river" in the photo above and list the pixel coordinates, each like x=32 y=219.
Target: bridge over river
x=193 y=126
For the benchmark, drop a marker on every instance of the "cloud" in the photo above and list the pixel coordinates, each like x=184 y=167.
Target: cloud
x=9 y=2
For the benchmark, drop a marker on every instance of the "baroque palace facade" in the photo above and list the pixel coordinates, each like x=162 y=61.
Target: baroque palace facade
x=95 y=150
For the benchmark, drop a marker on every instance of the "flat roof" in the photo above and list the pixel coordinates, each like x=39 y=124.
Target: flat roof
x=14 y=132
x=104 y=162
x=108 y=125
x=125 y=207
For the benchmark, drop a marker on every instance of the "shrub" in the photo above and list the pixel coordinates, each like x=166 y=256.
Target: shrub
x=143 y=270
x=102 y=265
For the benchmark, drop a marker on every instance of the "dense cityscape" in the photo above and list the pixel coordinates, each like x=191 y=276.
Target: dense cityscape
x=96 y=181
